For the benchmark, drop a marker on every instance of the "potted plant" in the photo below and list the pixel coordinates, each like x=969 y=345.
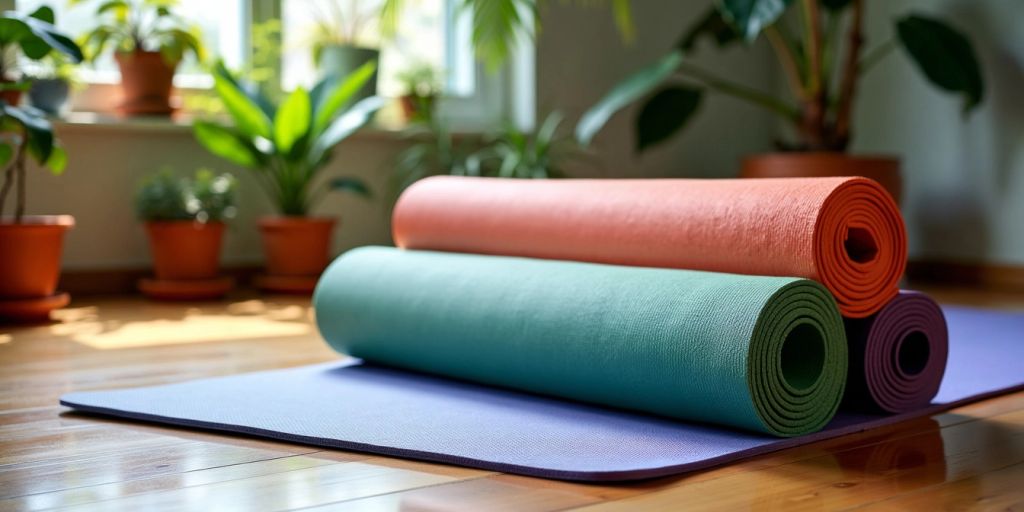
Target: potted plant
x=422 y=87
x=51 y=82
x=287 y=146
x=344 y=40
x=30 y=245
x=149 y=42
x=184 y=219
x=822 y=76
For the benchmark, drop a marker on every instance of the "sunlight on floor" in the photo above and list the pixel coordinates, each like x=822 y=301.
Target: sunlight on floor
x=180 y=324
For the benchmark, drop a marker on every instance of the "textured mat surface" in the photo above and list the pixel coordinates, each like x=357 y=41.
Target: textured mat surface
x=846 y=233
x=395 y=412
x=761 y=353
x=897 y=356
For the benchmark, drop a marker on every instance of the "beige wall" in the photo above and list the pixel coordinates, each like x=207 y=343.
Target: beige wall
x=964 y=179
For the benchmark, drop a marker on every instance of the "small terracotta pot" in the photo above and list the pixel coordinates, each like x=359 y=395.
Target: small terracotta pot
x=30 y=254
x=185 y=249
x=885 y=170
x=296 y=246
x=417 y=108
x=146 y=81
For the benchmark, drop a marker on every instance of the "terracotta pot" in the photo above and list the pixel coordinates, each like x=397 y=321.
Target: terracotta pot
x=417 y=108
x=30 y=255
x=146 y=81
x=10 y=97
x=185 y=249
x=296 y=246
x=885 y=170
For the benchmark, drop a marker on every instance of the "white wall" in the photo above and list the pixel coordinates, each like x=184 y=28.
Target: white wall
x=964 y=179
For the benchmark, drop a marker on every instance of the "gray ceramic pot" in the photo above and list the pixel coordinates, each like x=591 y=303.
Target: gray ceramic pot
x=49 y=94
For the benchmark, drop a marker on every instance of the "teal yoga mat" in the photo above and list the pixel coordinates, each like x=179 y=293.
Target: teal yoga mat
x=761 y=353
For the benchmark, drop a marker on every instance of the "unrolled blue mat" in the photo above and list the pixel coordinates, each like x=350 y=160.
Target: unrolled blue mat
x=355 y=406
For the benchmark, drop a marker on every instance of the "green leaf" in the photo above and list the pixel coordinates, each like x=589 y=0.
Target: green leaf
x=664 y=113
x=334 y=93
x=496 y=26
x=292 y=120
x=45 y=37
x=352 y=120
x=44 y=13
x=623 y=12
x=353 y=185
x=58 y=161
x=250 y=90
x=749 y=17
x=711 y=25
x=227 y=144
x=37 y=129
x=250 y=119
x=629 y=90
x=945 y=57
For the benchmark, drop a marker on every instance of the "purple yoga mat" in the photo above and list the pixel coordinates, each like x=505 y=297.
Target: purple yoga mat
x=897 y=356
x=380 y=410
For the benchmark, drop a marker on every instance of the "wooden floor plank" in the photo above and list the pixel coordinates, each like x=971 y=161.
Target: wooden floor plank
x=972 y=457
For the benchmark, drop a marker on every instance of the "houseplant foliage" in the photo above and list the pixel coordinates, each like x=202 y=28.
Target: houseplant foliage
x=149 y=41
x=821 y=73
x=422 y=85
x=30 y=246
x=345 y=37
x=184 y=218
x=287 y=146
x=509 y=153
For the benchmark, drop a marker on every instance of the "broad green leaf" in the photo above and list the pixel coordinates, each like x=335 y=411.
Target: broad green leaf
x=711 y=25
x=51 y=38
x=623 y=12
x=226 y=144
x=250 y=90
x=629 y=90
x=664 y=113
x=12 y=29
x=353 y=185
x=292 y=120
x=44 y=13
x=352 y=120
x=945 y=57
x=496 y=26
x=749 y=17
x=37 y=129
x=336 y=93
x=6 y=152
x=250 y=119
x=58 y=161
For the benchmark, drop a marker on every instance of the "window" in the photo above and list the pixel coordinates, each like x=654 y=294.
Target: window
x=221 y=22
x=430 y=32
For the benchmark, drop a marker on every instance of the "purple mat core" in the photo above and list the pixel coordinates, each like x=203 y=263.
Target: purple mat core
x=897 y=356
x=352 y=406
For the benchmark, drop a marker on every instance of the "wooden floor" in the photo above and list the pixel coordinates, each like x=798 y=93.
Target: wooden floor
x=50 y=458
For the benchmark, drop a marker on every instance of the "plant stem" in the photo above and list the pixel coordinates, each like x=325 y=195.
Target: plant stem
x=875 y=55
x=8 y=183
x=848 y=86
x=754 y=96
x=785 y=54
x=19 y=168
x=812 y=36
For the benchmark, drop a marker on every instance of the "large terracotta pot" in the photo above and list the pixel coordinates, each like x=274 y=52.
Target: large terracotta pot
x=885 y=170
x=30 y=253
x=296 y=246
x=146 y=81
x=185 y=249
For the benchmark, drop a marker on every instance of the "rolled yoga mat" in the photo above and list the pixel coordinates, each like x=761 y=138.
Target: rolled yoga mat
x=845 y=233
x=761 y=353
x=359 y=406
x=897 y=356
